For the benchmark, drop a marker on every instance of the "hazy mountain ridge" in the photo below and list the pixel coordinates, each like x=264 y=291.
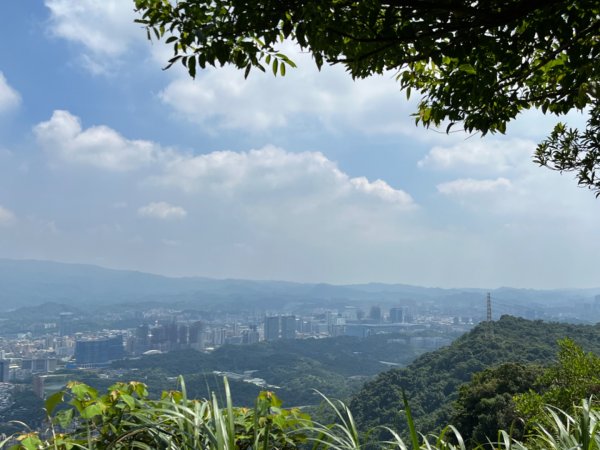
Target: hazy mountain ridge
x=31 y=282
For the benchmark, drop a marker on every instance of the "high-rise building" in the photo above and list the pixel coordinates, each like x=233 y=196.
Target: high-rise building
x=397 y=315
x=158 y=336
x=272 y=328
x=183 y=338
x=305 y=326
x=172 y=335
x=375 y=313
x=287 y=326
x=195 y=335
x=219 y=336
x=250 y=336
x=65 y=326
x=141 y=342
x=408 y=316
x=98 y=352
x=4 y=370
x=142 y=334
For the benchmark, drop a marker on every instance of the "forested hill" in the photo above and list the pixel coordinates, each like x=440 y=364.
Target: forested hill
x=431 y=381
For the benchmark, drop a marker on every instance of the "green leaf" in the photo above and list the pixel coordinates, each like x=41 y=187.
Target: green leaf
x=53 y=401
x=129 y=400
x=31 y=442
x=92 y=410
x=64 y=417
x=411 y=423
x=83 y=391
x=191 y=64
x=425 y=114
x=468 y=68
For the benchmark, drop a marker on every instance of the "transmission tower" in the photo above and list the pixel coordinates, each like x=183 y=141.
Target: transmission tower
x=489 y=328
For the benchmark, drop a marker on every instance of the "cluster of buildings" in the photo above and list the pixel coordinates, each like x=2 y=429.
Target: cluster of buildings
x=35 y=357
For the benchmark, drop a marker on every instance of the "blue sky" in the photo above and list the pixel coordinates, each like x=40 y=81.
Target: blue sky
x=107 y=159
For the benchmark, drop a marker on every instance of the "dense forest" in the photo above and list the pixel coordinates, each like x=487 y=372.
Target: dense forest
x=433 y=380
x=293 y=368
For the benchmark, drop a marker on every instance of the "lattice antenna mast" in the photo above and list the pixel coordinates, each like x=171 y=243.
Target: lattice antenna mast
x=490 y=330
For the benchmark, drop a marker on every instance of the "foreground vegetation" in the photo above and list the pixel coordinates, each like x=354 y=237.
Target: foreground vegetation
x=124 y=418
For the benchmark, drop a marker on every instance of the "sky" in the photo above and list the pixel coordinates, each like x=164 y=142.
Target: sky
x=107 y=159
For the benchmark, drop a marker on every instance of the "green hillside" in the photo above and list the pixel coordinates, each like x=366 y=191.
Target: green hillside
x=335 y=366
x=431 y=382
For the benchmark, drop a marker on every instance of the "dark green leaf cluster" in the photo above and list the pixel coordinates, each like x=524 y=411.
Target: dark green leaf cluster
x=218 y=33
x=485 y=404
x=570 y=150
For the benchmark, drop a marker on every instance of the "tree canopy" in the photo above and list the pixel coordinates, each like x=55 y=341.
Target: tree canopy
x=574 y=376
x=432 y=381
x=485 y=405
x=476 y=63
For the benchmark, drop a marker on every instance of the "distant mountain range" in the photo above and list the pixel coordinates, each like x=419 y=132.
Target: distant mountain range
x=29 y=282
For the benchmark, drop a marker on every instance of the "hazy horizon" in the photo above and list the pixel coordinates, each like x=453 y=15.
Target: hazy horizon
x=308 y=282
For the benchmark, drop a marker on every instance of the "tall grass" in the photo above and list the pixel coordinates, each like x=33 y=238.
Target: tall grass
x=176 y=422
x=579 y=430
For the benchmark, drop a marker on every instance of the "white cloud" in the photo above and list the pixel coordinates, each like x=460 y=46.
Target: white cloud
x=470 y=186
x=494 y=154
x=492 y=182
x=382 y=190
x=163 y=211
x=99 y=146
x=269 y=172
x=105 y=28
x=7 y=217
x=9 y=97
x=260 y=213
x=305 y=178
x=222 y=99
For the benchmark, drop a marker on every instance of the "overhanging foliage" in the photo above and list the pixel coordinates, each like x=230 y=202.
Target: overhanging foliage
x=476 y=63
